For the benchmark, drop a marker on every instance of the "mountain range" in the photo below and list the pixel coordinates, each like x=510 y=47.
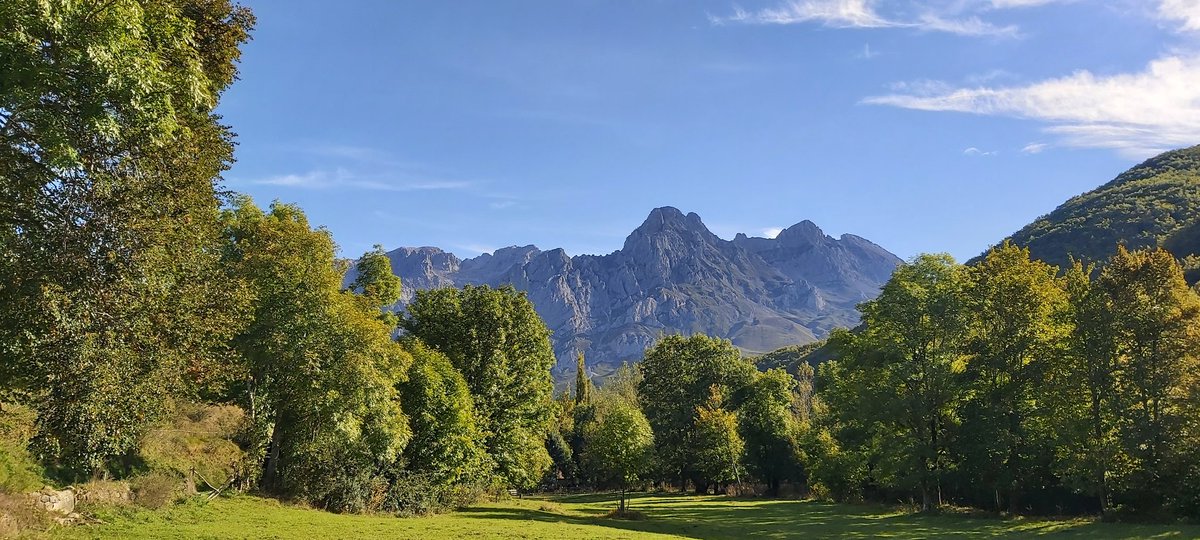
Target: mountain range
x=673 y=275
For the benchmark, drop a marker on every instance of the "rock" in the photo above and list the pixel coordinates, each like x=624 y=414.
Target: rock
x=673 y=275
x=51 y=500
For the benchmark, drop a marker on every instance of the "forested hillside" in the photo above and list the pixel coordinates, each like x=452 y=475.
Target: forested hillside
x=1156 y=203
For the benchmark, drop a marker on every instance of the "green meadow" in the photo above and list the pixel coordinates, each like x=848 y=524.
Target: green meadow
x=583 y=516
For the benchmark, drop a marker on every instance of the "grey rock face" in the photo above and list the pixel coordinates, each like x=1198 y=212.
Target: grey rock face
x=674 y=276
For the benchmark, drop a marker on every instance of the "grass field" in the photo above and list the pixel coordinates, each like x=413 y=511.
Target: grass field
x=581 y=516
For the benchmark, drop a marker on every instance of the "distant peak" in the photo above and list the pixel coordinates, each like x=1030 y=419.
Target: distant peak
x=425 y=250
x=803 y=233
x=670 y=218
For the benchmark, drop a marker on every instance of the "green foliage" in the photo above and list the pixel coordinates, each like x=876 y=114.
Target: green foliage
x=583 y=383
x=1005 y=385
x=619 y=445
x=19 y=471
x=769 y=429
x=502 y=348
x=1156 y=333
x=581 y=517
x=834 y=473
x=901 y=376
x=110 y=295
x=320 y=366
x=790 y=358
x=377 y=284
x=447 y=444
x=1019 y=327
x=1156 y=203
x=678 y=377
x=719 y=447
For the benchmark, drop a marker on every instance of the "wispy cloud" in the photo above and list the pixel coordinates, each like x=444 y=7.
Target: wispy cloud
x=344 y=179
x=1136 y=113
x=337 y=166
x=1034 y=148
x=865 y=14
x=1008 y=4
x=972 y=151
x=866 y=53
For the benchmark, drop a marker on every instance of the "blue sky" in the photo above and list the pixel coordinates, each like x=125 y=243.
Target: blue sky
x=922 y=125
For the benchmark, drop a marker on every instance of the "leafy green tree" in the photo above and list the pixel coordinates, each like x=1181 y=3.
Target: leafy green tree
x=500 y=345
x=1019 y=330
x=110 y=154
x=719 y=447
x=1084 y=392
x=905 y=372
x=583 y=383
x=768 y=429
x=446 y=443
x=678 y=375
x=1157 y=339
x=320 y=366
x=376 y=282
x=619 y=445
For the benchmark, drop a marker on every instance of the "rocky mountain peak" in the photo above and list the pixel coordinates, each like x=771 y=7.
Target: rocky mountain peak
x=673 y=275
x=805 y=233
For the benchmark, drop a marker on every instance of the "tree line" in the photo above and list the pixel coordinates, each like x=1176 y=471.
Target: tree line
x=1011 y=385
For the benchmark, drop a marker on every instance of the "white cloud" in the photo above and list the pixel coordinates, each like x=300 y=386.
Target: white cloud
x=1007 y=4
x=832 y=13
x=866 y=53
x=341 y=178
x=1183 y=11
x=771 y=232
x=862 y=14
x=1137 y=113
x=1034 y=148
x=972 y=151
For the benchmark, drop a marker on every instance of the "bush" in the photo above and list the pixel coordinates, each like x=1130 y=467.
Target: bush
x=413 y=494
x=156 y=490
x=627 y=514
x=19 y=472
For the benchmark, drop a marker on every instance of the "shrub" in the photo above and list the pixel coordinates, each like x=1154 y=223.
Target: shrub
x=627 y=514
x=19 y=472
x=415 y=494
x=156 y=490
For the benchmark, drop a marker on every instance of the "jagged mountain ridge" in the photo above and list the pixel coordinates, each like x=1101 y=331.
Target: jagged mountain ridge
x=674 y=276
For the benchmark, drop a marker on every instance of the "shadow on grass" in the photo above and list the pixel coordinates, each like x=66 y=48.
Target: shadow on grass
x=721 y=517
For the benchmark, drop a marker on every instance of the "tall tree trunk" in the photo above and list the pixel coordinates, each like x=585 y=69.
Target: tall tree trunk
x=271 y=470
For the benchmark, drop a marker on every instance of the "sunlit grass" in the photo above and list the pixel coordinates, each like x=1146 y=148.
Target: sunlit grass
x=581 y=516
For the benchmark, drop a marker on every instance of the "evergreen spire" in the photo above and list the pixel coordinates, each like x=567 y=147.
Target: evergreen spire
x=583 y=383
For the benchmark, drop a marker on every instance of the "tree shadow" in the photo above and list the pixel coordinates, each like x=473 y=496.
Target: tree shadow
x=712 y=518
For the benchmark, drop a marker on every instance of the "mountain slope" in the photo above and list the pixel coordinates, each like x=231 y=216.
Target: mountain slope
x=674 y=275
x=1156 y=203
